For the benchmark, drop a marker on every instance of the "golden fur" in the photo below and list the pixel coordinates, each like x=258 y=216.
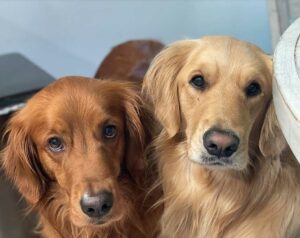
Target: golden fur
x=258 y=194
x=76 y=109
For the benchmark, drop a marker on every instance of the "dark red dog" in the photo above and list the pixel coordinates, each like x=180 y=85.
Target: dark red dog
x=129 y=60
x=75 y=152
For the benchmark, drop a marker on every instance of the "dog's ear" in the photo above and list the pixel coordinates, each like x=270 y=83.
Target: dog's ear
x=20 y=160
x=136 y=135
x=271 y=141
x=160 y=87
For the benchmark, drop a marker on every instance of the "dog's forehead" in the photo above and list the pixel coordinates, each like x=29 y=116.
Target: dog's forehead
x=225 y=57
x=227 y=51
x=83 y=106
x=83 y=103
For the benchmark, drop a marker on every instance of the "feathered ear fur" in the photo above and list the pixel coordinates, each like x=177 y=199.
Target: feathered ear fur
x=160 y=84
x=20 y=160
x=271 y=141
x=136 y=132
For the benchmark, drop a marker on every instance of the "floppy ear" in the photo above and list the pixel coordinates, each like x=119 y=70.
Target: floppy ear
x=271 y=141
x=20 y=160
x=136 y=135
x=160 y=84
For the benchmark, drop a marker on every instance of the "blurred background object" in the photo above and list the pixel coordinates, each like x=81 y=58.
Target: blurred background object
x=282 y=14
x=286 y=85
x=19 y=80
x=129 y=60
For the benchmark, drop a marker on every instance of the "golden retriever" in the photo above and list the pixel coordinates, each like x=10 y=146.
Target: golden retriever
x=225 y=168
x=75 y=152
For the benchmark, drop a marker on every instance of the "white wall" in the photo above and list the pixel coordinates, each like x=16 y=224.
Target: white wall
x=71 y=37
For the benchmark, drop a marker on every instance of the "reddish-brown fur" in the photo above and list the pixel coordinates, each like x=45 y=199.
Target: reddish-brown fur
x=129 y=60
x=76 y=109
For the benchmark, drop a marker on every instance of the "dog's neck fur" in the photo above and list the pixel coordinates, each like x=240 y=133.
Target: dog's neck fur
x=201 y=202
x=55 y=221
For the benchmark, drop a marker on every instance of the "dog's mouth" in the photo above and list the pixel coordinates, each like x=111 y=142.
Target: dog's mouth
x=106 y=221
x=99 y=222
x=214 y=161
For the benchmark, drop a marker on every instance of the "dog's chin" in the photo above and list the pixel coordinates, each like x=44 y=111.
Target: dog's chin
x=218 y=163
x=94 y=223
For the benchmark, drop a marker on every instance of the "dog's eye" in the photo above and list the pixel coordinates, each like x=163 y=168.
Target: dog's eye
x=110 y=131
x=198 y=82
x=55 y=144
x=253 y=89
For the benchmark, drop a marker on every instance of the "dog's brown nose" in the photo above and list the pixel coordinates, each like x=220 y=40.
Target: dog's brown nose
x=96 y=205
x=220 y=143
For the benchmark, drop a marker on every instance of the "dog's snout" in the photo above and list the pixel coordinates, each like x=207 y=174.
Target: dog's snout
x=97 y=205
x=220 y=143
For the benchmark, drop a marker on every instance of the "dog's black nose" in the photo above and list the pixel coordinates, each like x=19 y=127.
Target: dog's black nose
x=96 y=205
x=220 y=143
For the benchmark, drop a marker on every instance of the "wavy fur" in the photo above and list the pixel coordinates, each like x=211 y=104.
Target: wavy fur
x=257 y=197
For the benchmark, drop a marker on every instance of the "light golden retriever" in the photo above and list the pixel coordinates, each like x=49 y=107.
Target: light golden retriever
x=225 y=168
